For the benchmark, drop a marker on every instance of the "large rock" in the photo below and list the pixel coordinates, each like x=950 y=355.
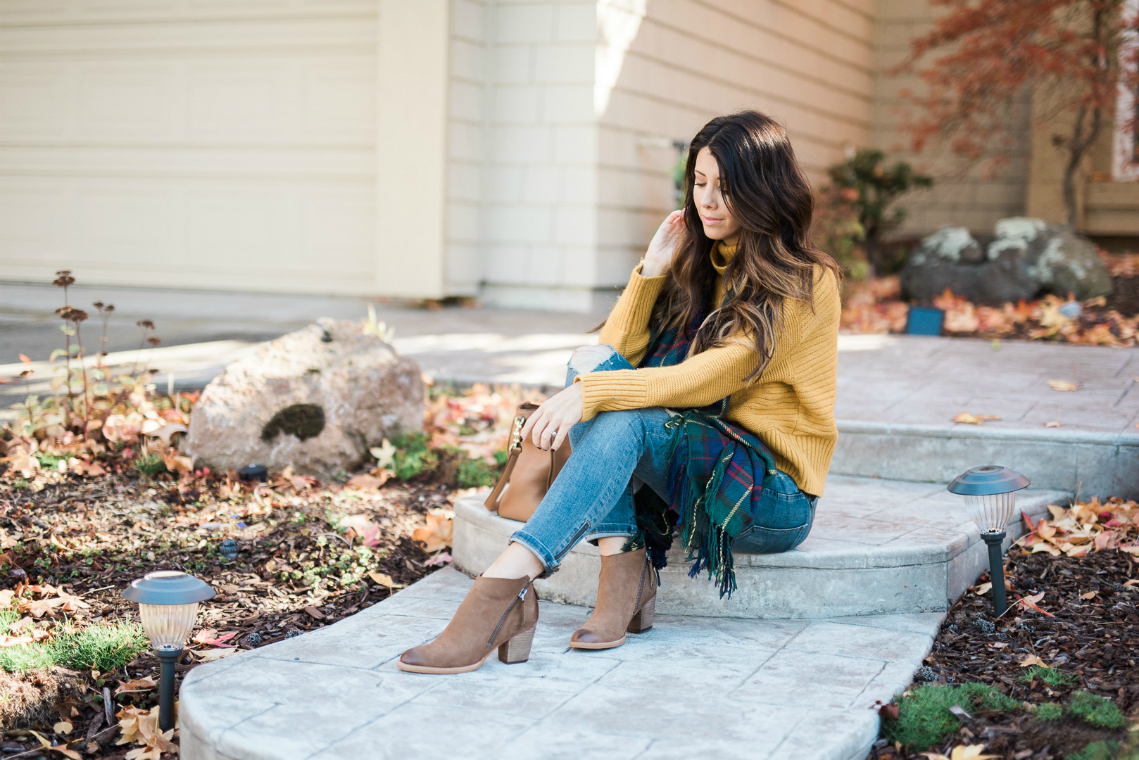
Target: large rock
x=316 y=399
x=1025 y=259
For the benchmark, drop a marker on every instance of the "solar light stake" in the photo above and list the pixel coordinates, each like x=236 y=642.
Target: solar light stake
x=990 y=497
x=168 y=605
x=995 y=540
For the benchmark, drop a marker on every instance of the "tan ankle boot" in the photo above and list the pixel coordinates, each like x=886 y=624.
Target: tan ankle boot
x=626 y=600
x=498 y=612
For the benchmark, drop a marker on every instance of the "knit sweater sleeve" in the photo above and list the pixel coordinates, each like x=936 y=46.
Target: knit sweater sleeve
x=701 y=379
x=627 y=328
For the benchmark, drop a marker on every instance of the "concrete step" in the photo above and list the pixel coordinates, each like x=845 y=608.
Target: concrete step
x=877 y=547
x=689 y=687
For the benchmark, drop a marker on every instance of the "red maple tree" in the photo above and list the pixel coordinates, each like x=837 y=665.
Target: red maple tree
x=1075 y=54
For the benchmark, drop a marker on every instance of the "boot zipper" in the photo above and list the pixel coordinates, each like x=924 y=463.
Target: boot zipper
x=502 y=621
x=573 y=541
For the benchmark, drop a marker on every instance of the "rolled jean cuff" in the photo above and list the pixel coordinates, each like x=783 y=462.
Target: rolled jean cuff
x=545 y=556
x=610 y=530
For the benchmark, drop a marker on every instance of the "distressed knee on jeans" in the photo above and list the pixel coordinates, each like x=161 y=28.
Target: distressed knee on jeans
x=588 y=358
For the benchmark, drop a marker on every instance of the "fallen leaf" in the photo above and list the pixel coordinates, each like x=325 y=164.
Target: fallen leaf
x=974 y=419
x=25 y=359
x=1052 y=424
x=1062 y=385
x=984 y=588
x=363 y=528
x=60 y=748
x=436 y=534
x=141 y=727
x=63 y=727
x=370 y=481
x=888 y=712
x=213 y=638
x=1030 y=602
x=1089 y=595
x=960 y=712
x=383 y=580
x=961 y=752
x=384 y=454
x=314 y=613
x=14 y=641
x=1030 y=660
x=136 y=685
x=441 y=558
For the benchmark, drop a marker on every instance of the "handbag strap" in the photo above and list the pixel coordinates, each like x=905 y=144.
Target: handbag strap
x=496 y=494
x=515 y=446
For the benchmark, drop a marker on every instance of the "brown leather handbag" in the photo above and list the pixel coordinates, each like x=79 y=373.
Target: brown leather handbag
x=529 y=472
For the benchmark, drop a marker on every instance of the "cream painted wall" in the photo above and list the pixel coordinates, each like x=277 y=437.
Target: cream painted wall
x=178 y=143
x=682 y=62
x=466 y=143
x=961 y=195
x=582 y=92
x=413 y=86
x=540 y=184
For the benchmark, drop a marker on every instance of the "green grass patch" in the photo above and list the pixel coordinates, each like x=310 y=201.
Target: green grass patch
x=1106 y=750
x=475 y=473
x=1096 y=711
x=413 y=456
x=1048 y=711
x=1050 y=676
x=26 y=657
x=48 y=461
x=7 y=617
x=924 y=718
x=103 y=646
x=150 y=465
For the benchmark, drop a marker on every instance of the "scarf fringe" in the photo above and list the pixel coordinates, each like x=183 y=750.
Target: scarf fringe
x=706 y=542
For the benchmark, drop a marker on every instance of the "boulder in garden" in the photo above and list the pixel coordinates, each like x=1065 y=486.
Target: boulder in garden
x=1026 y=258
x=316 y=399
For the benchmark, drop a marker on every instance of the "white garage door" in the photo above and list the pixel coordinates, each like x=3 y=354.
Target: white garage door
x=224 y=144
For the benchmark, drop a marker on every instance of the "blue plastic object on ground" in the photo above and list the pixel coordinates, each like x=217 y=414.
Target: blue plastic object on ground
x=923 y=320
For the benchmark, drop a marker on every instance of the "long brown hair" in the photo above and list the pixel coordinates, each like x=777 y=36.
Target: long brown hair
x=769 y=195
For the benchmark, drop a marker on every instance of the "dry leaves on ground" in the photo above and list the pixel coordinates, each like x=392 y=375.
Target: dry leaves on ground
x=141 y=727
x=436 y=534
x=875 y=306
x=962 y=752
x=974 y=419
x=1085 y=527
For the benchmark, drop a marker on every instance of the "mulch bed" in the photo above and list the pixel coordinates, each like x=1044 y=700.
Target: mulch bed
x=1094 y=640
x=92 y=537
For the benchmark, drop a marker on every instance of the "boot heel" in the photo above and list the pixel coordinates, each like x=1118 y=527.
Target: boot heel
x=517 y=649
x=643 y=620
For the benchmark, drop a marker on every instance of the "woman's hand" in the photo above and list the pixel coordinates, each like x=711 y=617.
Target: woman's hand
x=550 y=423
x=664 y=245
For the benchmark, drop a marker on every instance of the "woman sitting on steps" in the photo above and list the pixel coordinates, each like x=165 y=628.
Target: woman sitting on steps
x=707 y=408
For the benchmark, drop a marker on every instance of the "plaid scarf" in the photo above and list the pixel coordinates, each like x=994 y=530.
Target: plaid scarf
x=715 y=478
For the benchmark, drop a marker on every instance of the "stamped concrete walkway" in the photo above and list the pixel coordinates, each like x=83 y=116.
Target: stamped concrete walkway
x=733 y=689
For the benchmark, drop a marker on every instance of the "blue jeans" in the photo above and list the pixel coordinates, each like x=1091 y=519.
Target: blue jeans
x=617 y=452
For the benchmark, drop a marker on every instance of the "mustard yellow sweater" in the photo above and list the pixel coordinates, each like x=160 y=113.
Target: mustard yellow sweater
x=790 y=407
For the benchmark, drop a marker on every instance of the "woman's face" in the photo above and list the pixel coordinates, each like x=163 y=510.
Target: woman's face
x=719 y=224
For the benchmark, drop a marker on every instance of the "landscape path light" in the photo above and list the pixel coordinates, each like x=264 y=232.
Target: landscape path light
x=168 y=605
x=990 y=497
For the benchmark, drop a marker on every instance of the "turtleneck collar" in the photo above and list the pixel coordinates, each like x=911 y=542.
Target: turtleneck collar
x=721 y=255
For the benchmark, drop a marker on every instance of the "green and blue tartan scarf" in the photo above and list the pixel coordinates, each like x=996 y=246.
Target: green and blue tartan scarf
x=716 y=475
